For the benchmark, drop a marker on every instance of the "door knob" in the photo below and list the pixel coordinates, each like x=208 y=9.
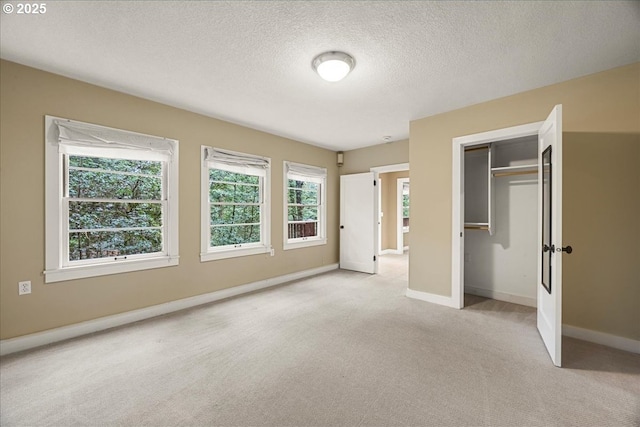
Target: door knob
x=552 y=248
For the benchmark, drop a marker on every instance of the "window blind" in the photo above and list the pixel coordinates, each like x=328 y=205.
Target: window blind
x=300 y=172
x=83 y=138
x=232 y=158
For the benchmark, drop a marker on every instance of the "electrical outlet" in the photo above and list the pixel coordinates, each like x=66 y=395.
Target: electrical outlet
x=24 y=287
x=273 y=252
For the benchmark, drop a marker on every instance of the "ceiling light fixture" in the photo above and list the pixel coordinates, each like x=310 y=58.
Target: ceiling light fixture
x=333 y=66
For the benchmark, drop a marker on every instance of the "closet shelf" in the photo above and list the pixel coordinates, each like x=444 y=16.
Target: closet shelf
x=517 y=168
x=514 y=170
x=476 y=225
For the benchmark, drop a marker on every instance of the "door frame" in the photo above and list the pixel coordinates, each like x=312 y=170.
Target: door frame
x=377 y=170
x=399 y=218
x=457 y=197
x=379 y=217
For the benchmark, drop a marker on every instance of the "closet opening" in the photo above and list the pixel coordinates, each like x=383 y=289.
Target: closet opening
x=496 y=241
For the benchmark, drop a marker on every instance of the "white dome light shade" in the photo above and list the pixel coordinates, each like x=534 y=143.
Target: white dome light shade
x=333 y=66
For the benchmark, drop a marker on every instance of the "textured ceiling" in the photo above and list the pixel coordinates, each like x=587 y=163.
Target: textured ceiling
x=250 y=62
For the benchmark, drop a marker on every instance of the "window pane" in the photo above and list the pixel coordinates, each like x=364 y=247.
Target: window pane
x=234 y=235
x=304 y=185
x=304 y=229
x=234 y=193
x=405 y=205
x=108 y=185
x=303 y=192
x=303 y=197
x=235 y=214
x=220 y=175
x=300 y=213
x=87 y=215
x=104 y=244
x=133 y=166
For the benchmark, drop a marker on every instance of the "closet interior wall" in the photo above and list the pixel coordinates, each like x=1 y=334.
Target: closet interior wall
x=500 y=259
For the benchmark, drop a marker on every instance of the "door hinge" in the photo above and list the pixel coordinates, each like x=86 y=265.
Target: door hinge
x=374 y=183
x=374 y=257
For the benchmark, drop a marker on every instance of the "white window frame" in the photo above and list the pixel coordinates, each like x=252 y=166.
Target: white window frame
x=209 y=253
x=305 y=173
x=101 y=141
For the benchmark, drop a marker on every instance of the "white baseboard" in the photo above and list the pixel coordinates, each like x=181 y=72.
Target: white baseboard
x=614 y=341
x=433 y=298
x=621 y=343
x=501 y=296
x=38 y=339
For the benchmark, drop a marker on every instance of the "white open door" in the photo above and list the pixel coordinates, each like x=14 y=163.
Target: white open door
x=550 y=234
x=358 y=222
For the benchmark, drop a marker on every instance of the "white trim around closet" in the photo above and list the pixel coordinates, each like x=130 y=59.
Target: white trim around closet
x=457 y=215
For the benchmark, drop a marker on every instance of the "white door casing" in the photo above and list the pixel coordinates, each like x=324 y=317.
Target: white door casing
x=399 y=216
x=457 y=180
x=549 y=302
x=380 y=215
x=358 y=222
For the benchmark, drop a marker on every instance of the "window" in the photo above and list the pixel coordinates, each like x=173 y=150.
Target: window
x=305 y=195
x=111 y=201
x=235 y=204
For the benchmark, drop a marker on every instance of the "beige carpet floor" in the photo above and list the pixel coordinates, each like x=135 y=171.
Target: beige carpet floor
x=340 y=349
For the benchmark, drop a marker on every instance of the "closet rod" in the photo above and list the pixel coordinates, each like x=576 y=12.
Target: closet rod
x=497 y=174
x=476 y=227
x=485 y=147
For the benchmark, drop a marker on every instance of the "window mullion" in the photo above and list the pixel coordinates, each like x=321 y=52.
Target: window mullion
x=248 y=184
x=98 y=200
x=64 y=212
x=165 y=226
x=233 y=204
x=99 y=170
x=112 y=229
x=65 y=231
x=262 y=213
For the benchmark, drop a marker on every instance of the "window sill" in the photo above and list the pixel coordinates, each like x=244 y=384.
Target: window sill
x=304 y=243
x=232 y=253
x=81 y=272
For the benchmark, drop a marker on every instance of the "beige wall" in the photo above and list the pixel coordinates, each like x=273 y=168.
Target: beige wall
x=363 y=159
x=601 y=213
x=27 y=96
x=389 y=205
x=601 y=290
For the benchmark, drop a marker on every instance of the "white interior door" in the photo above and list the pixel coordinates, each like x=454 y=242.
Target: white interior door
x=549 y=318
x=358 y=215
